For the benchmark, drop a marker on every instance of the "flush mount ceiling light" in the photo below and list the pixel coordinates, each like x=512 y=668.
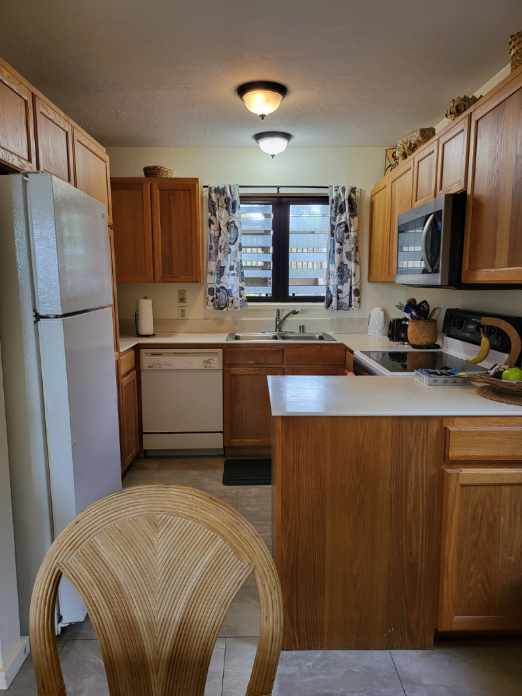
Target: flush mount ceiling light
x=273 y=142
x=261 y=97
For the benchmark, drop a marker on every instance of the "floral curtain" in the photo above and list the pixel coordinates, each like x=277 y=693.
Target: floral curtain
x=343 y=273
x=225 y=277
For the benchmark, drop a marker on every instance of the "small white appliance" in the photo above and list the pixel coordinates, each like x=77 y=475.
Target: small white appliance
x=377 y=322
x=182 y=400
x=59 y=370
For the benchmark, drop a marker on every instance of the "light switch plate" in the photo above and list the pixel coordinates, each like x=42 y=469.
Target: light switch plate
x=182 y=312
x=182 y=296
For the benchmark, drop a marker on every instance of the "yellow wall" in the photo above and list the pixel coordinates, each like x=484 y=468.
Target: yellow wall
x=297 y=166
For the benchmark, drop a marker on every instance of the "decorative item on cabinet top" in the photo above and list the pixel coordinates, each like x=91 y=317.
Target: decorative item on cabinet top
x=515 y=50
x=458 y=105
x=156 y=170
x=407 y=145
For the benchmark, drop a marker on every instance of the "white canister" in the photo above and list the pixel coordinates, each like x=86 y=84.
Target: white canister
x=377 y=322
x=144 y=317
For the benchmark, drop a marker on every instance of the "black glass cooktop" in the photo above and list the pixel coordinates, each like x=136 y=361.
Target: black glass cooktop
x=409 y=361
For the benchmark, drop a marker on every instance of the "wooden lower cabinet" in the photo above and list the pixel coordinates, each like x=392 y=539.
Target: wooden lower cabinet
x=130 y=440
x=481 y=566
x=247 y=417
x=247 y=413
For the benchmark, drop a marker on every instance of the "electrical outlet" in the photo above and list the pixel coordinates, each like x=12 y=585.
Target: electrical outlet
x=182 y=312
x=182 y=296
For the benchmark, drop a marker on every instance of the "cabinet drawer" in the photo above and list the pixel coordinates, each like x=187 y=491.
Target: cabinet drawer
x=253 y=356
x=490 y=443
x=127 y=362
x=318 y=370
x=315 y=355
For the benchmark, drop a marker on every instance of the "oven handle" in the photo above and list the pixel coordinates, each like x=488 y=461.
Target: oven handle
x=424 y=241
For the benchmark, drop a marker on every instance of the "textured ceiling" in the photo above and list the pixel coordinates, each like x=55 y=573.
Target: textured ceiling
x=163 y=72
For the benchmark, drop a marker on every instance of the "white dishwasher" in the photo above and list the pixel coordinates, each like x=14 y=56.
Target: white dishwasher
x=182 y=400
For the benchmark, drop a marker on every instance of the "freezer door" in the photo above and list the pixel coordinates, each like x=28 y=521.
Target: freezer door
x=69 y=246
x=81 y=414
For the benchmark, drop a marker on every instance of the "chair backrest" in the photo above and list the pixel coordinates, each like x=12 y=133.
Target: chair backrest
x=157 y=567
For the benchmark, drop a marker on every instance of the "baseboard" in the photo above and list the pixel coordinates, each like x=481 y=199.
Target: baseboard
x=17 y=659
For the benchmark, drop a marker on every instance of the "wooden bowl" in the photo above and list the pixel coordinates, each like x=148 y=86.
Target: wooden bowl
x=155 y=170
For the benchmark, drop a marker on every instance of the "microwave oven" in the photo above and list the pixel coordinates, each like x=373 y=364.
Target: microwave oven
x=429 y=242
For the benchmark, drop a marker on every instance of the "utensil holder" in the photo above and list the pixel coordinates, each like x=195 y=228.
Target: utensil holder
x=422 y=332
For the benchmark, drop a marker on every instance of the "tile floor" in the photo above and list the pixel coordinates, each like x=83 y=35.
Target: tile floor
x=452 y=669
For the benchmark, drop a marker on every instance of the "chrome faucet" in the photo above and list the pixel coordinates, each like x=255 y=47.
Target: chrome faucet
x=280 y=320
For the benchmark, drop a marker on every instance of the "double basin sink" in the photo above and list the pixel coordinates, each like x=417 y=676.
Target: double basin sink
x=280 y=336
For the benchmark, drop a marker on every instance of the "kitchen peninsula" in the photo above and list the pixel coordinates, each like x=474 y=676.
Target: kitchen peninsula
x=396 y=511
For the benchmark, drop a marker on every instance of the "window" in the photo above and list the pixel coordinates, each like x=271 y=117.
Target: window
x=285 y=247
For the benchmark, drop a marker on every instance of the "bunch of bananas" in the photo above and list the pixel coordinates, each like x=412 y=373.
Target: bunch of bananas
x=483 y=350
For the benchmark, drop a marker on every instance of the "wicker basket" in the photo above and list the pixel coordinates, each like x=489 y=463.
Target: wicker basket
x=422 y=332
x=515 y=50
x=155 y=170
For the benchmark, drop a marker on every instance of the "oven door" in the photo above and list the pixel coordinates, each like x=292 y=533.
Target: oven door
x=423 y=244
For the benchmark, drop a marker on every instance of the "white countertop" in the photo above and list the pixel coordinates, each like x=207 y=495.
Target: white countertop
x=377 y=396
x=353 y=341
x=127 y=342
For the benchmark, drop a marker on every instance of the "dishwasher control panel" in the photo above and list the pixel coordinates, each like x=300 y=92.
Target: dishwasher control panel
x=172 y=359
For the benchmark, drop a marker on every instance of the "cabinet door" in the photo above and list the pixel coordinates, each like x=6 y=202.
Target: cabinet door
x=452 y=166
x=16 y=122
x=247 y=421
x=481 y=566
x=401 y=184
x=379 y=263
x=129 y=418
x=176 y=230
x=425 y=173
x=132 y=222
x=53 y=141
x=492 y=241
x=91 y=168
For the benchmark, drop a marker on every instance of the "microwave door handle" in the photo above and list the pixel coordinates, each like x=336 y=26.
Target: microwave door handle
x=424 y=242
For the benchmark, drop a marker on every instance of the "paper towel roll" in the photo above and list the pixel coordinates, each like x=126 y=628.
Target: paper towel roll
x=145 y=319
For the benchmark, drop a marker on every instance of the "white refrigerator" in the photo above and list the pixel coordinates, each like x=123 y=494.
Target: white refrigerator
x=59 y=370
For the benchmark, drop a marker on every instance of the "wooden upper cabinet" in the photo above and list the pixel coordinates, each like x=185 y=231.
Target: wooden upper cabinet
x=379 y=264
x=176 y=230
x=16 y=122
x=481 y=567
x=452 y=167
x=401 y=185
x=132 y=225
x=425 y=173
x=493 y=237
x=53 y=140
x=91 y=167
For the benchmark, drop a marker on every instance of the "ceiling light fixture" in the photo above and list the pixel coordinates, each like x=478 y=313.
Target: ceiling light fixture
x=262 y=97
x=273 y=142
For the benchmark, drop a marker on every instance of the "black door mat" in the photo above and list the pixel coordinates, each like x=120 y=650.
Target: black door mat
x=247 y=472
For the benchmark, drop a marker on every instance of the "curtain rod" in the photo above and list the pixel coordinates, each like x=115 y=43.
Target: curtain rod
x=278 y=188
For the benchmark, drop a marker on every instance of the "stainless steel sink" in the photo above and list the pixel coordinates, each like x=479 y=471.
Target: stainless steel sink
x=281 y=336
x=291 y=336
x=253 y=336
